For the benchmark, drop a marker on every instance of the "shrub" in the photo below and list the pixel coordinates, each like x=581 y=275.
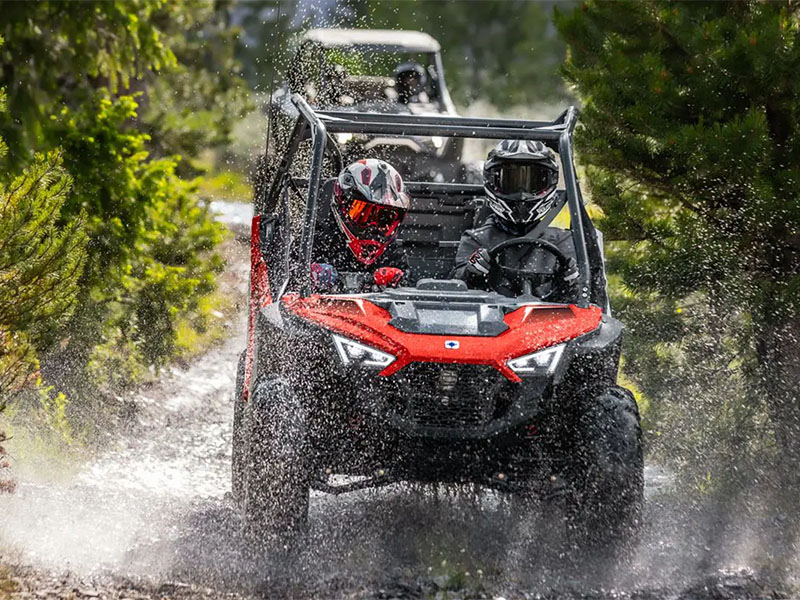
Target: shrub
x=152 y=241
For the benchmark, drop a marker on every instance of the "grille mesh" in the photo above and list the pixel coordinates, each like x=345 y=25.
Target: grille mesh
x=435 y=395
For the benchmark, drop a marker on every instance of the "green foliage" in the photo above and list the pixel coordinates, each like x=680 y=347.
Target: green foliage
x=180 y=52
x=196 y=103
x=175 y=265
x=264 y=42
x=505 y=51
x=40 y=263
x=679 y=119
x=41 y=435
x=199 y=329
x=53 y=408
x=107 y=160
x=62 y=51
x=227 y=185
x=75 y=76
x=151 y=238
x=690 y=131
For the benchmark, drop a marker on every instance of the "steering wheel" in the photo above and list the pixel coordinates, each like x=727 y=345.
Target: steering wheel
x=525 y=279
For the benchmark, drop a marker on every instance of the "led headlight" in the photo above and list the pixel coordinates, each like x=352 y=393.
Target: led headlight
x=353 y=353
x=543 y=362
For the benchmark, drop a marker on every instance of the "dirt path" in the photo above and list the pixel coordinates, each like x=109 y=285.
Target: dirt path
x=150 y=518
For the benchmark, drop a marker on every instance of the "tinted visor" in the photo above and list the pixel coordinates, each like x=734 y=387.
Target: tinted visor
x=370 y=220
x=535 y=179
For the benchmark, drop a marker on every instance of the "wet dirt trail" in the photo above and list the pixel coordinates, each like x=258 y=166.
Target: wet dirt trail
x=150 y=516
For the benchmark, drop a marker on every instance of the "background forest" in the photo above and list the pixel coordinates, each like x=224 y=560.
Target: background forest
x=118 y=118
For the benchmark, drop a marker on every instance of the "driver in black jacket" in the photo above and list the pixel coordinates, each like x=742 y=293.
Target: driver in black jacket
x=520 y=180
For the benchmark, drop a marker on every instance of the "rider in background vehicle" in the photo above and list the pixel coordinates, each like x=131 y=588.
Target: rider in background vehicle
x=520 y=180
x=368 y=205
x=410 y=83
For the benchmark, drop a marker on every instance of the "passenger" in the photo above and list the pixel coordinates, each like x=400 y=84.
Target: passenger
x=520 y=180
x=367 y=207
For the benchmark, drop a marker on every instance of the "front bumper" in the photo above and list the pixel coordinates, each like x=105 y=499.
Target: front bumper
x=454 y=401
x=435 y=400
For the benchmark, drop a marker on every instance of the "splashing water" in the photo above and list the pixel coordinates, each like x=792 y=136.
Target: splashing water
x=155 y=505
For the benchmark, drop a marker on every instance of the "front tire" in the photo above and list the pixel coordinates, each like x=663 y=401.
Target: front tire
x=608 y=474
x=276 y=482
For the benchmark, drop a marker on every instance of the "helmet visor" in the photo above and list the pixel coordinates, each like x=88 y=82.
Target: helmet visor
x=512 y=178
x=368 y=220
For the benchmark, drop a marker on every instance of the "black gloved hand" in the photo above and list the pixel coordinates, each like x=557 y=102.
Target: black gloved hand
x=479 y=263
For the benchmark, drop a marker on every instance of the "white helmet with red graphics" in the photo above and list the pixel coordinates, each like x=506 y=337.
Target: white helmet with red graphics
x=369 y=203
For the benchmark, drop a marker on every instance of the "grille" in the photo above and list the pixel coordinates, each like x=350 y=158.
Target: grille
x=446 y=396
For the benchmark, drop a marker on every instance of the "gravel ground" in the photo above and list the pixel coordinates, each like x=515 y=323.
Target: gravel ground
x=27 y=583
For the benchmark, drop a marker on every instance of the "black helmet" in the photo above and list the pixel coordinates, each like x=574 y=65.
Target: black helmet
x=410 y=80
x=520 y=178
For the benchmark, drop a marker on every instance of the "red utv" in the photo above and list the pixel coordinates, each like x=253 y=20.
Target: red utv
x=431 y=383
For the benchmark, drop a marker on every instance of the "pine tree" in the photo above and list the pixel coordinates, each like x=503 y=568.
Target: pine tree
x=41 y=260
x=76 y=76
x=691 y=135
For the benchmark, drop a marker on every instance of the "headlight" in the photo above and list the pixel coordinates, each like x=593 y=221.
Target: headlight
x=358 y=354
x=543 y=362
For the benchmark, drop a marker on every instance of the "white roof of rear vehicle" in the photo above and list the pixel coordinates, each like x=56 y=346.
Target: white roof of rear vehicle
x=410 y=41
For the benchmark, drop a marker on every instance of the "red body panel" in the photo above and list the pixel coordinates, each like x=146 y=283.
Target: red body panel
x=530 y=328
x=259 y=297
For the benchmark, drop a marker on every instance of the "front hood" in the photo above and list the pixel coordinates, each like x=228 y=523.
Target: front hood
x=526 y=328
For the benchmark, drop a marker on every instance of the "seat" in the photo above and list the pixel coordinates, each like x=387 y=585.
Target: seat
x=431 y=231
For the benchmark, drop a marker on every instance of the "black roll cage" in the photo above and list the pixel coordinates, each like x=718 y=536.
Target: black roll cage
x=318 y=125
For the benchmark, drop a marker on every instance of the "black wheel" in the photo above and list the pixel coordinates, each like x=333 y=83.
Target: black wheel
x=276 y=485
x=607 y=477
x=238 y=437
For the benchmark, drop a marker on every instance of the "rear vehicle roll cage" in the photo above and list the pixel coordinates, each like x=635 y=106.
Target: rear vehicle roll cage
x=382 y=41
x=318 y=125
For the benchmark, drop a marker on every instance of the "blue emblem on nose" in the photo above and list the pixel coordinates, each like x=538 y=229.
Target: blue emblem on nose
x=451 y=344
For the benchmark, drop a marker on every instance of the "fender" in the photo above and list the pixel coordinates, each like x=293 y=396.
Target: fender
x=260 y=297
